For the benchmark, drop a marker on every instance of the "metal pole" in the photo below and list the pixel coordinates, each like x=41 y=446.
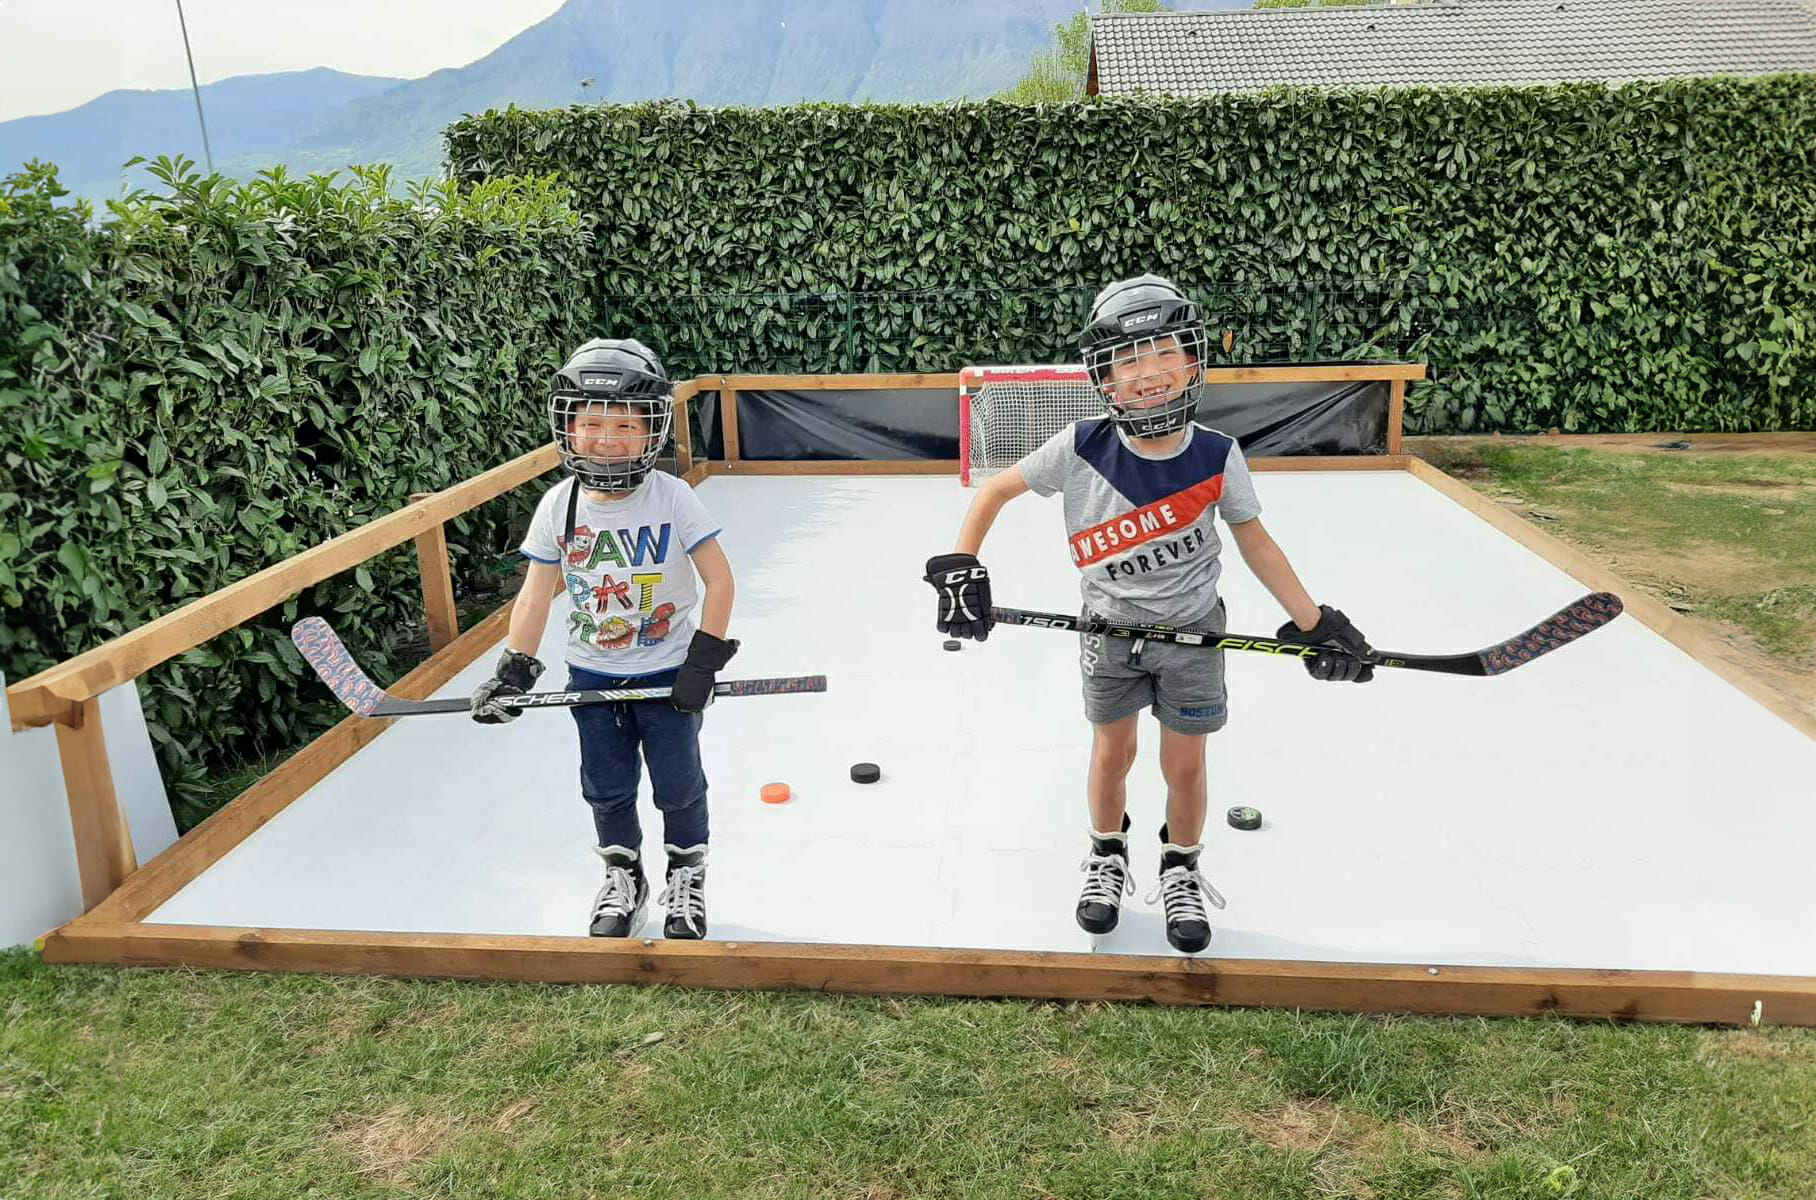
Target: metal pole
x=207 y=152
x=851 y=324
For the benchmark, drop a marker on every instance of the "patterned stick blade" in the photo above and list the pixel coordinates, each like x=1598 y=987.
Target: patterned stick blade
x=321 y=649
x=772 y=687
x=1585 y=616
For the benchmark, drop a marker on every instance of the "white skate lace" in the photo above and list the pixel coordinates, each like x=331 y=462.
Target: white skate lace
x=619 y=895
x=1106 y=879
x=684 y=897
x=1182 y=889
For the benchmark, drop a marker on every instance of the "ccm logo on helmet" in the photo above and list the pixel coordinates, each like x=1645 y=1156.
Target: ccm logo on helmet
x=599 y=381
x=1140 y=319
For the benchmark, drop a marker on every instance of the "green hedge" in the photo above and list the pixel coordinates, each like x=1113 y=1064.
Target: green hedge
x=1582 y=257
x=209 y=381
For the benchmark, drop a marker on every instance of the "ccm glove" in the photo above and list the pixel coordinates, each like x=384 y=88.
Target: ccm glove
x=706 y=656
x=1333 y=629
x=964 y=595
x=516 y=674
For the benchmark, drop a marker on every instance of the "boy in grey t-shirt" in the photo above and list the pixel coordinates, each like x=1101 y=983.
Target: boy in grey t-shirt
x=1141 y=486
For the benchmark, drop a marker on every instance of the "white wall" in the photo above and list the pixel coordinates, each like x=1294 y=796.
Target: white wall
x=39 y=885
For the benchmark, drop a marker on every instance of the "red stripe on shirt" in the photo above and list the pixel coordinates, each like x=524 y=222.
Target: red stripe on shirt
x=1163 y=518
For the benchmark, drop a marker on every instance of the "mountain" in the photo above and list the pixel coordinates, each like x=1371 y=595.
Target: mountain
x=743 y=52
x=726 y=52
x=252 y=115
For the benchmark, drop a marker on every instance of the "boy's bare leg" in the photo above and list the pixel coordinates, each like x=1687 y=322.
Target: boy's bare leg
x=1182 y=764
x=1112 y=754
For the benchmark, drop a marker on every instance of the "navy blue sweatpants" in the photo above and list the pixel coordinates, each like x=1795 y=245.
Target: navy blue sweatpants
x=616 y=740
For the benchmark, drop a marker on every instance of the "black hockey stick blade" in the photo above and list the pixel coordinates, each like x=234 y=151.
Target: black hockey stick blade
x=323 y=650
x=1560 y=629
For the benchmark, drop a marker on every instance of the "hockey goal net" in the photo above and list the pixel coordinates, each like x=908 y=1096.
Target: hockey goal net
x=1006 y=412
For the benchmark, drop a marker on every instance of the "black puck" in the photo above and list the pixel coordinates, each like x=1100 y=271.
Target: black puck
x=1244 y=817
x=952 y=644
x=865 y=772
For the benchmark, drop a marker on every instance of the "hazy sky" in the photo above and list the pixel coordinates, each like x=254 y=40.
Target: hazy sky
x=57 y=54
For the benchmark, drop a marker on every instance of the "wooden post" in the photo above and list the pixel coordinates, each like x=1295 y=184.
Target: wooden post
x=104 y=855
x=437 y=582
x=684 y=434
x=1396 y=415
x=728 y=408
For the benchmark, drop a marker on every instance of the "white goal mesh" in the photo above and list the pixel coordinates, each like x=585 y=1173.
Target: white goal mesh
x=1005 y=412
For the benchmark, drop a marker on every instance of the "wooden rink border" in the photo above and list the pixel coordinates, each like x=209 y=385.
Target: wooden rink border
x=1675 y=996
x=114 y=931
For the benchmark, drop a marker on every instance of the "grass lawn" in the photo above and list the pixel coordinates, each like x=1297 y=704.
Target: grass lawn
x=173 y=1083
x=152 y=1083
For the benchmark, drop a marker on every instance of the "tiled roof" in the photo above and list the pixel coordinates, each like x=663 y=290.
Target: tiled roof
x=1451 y=42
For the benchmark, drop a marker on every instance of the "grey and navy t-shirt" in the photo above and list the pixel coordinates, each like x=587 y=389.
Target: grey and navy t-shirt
x=1140 y=528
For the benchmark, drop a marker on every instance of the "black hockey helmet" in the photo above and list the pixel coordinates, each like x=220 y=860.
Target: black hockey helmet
x=622 y=372
x=1132 y=322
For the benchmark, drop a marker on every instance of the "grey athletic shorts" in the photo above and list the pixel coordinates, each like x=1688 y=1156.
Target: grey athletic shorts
x=1182 y=684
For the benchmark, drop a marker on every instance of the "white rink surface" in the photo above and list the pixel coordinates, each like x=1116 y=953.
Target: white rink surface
x=1614 y=804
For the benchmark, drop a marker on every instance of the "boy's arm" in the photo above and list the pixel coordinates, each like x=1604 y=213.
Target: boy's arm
x=518 y=667
x=710 y=650
x=530 y=611
x=1265 y=558
x=721 y=590
x=1320 y=624
x=960 y=580
x=997 y=491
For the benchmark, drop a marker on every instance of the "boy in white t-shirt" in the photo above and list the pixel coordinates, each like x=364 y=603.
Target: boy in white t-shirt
x=620 y=536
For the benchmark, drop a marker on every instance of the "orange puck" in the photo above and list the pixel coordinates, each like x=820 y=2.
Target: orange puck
x=775 y=793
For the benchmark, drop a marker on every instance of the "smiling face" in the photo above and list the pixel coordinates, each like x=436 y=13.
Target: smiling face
x=609 y=433
x=1148 y=373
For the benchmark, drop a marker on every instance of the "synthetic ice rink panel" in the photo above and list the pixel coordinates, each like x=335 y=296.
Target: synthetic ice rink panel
x=1614 y=804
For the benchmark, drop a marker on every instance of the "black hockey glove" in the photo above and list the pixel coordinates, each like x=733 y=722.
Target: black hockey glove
x=706 y=656
x=964 y=588
x=516 y=674
x=1333 y=629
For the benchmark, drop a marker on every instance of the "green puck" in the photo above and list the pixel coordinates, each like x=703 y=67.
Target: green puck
x=1244 y=817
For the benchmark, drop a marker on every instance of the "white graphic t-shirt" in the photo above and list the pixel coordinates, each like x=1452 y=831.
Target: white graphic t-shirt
x=630 y=584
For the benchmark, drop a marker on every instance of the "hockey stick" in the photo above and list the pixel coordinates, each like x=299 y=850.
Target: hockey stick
x=322 y=649
x=1560 y=629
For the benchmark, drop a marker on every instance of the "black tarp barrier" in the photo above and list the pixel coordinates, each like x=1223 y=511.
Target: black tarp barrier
x=878 y=423
x=1267 y=419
